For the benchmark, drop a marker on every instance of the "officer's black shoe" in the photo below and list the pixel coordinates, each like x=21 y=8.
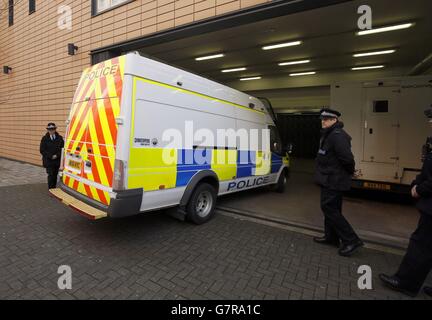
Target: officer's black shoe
x=348 y=249
x=393 y=283
x=325 y=240
x=428 y=291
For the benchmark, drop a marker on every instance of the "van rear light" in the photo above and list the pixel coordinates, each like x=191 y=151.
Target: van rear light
x=119 y=174
x=62 y=160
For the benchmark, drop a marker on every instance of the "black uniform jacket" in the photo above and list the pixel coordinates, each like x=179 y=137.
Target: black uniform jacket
x=335 y=163
x=424 y=186
x=49 y=148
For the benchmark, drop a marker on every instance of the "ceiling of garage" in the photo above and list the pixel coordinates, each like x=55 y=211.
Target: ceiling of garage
x=329 y=41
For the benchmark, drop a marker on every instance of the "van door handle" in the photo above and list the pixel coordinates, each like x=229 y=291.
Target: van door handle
x=370 y=131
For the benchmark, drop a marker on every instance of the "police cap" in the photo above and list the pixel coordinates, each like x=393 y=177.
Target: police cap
x=51 y=126
x=329 y=113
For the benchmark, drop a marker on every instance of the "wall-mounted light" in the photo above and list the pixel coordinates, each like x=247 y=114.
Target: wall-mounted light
x=7 y=69
x=72 y=48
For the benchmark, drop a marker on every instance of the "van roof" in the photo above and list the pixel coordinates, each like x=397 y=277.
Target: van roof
x=137 y=65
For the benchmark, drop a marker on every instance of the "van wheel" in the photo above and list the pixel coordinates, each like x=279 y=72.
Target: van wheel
x=200 y=207
x=280 y=185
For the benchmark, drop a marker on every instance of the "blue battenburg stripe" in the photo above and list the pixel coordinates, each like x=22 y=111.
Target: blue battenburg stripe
x=246 y=161
x=276 y=161
x=190 y=162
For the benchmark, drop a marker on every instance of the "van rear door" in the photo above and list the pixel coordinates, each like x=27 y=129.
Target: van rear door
x=91 y=136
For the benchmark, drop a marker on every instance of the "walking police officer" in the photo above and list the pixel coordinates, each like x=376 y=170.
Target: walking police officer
x=417 y=262
x=50 y=148
x=335 y=166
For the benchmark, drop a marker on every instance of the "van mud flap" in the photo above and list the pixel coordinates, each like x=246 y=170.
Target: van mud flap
x=82 y=208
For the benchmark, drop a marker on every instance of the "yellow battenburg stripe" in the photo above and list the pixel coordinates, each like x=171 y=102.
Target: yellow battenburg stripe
x=263 y=163
x=148 y=170
x=224 y=164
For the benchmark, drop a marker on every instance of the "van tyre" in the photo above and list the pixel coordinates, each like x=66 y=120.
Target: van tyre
x=279 y=187
x=200 y=207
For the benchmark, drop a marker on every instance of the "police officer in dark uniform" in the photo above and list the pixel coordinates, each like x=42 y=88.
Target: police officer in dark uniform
x=335 y=167
x=417 y=262
x=50 y=148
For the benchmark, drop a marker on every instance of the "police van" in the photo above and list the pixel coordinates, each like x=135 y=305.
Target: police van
x=143 y=135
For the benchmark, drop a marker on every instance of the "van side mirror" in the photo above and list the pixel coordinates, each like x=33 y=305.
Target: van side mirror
x=289 y=148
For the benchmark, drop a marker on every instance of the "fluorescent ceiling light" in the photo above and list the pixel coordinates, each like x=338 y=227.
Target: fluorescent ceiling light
x=367 y=68
x=375 y=53
x=302 y=74
x=385 y=29
x=289 y=63
x=234 y=70
x=282 y=45
x=214 y=56
x=251 y=78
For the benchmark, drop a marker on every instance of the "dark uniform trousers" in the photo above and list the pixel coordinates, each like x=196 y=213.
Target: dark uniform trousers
x=417 y=262
x=336 y=226
x=52 y=176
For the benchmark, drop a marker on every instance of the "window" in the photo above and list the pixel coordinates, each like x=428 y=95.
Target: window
x=275 y=140
x=11 y=12
x=99 y=6
x=32 y=6
x=380 y=106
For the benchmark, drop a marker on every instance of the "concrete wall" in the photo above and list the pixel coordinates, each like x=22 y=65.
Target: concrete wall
x=44 y=76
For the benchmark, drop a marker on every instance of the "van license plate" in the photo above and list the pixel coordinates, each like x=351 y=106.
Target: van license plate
x=75 y=164
x=378 y=186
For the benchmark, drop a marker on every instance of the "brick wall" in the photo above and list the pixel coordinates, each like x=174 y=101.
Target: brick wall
x=41 y=86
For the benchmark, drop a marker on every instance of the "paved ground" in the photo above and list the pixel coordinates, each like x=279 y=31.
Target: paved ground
x=375 y=216
x=156 y=257
x=15 y=173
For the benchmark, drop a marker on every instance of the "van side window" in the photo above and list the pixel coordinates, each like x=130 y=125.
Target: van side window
x=275 y=140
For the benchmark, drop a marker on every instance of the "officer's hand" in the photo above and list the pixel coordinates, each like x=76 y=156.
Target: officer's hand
x=54 y=157
x=414 y=192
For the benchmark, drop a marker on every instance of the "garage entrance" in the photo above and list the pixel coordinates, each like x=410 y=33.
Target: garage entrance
x=292 y=52
x=297 y=128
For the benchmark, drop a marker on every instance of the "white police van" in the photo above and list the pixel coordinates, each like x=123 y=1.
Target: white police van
x=143 y=135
